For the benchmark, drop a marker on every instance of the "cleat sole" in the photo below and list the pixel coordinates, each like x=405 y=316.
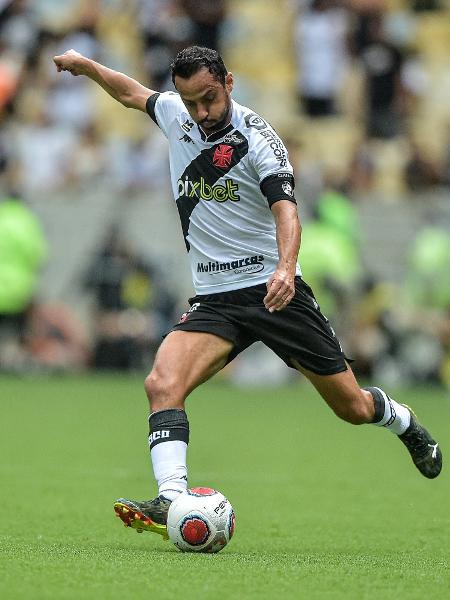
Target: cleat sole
x=138 y=520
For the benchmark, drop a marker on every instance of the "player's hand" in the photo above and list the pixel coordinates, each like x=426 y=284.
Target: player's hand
x=71 y=61
x=280 y=290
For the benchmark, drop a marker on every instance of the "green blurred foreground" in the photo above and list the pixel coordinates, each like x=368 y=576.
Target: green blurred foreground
x=324 y=509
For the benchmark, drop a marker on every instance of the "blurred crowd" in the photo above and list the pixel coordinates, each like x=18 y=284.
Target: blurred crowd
x=364 y=67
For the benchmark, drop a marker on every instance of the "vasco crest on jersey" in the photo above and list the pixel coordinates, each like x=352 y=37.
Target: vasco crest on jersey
x=222 y=156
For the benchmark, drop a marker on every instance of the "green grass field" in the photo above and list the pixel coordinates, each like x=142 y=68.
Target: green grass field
x=323 y=509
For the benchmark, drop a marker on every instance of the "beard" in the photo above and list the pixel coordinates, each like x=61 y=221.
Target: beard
x=223 y=121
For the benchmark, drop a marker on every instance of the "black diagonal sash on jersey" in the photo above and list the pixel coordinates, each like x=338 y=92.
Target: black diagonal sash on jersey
x=203 y=166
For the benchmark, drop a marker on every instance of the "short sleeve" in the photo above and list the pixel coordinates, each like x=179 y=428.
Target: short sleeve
x=268 y=154
x=164 y=108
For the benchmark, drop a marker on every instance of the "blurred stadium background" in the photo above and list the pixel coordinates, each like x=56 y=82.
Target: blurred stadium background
x=92 y=266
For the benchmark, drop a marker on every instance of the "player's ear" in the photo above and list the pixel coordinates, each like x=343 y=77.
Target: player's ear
x=229 y=82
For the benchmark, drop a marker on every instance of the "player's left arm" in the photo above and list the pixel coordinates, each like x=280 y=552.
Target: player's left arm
x=269 y=157
x=281 y=285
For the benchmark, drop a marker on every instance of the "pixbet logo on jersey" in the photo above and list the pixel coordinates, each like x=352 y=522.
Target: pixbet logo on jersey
x=204 y=191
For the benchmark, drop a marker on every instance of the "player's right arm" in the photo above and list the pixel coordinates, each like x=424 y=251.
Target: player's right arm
x=122 y=88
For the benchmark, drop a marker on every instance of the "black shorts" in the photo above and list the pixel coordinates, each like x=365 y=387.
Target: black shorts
x=299 y=332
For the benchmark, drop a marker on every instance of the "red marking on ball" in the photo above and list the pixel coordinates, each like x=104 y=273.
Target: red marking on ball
x=202 y=491
x=195 y=531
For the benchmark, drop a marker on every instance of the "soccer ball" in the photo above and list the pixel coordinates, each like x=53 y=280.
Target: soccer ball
x=200 y=520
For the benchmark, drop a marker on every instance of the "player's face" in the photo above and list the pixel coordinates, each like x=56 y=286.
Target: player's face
x=206 y=99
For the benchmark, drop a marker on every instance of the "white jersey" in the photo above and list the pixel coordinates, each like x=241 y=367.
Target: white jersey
x=224 y=185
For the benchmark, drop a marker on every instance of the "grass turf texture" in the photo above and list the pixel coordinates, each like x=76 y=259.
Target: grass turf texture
x=324 y=509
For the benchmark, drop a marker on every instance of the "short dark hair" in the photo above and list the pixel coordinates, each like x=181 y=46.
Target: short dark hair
x=191 y=60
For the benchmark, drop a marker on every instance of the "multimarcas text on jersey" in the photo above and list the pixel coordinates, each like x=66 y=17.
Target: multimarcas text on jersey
x=249 y=264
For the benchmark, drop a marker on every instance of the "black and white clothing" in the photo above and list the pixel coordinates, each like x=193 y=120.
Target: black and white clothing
x=224 y=185
x=299 y=332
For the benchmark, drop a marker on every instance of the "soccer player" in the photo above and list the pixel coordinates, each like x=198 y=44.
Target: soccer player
x=234 y=189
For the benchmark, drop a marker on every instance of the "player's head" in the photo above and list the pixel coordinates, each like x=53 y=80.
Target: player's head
x=205 y=85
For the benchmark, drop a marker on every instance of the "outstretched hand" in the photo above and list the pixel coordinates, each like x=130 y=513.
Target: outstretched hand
x=71 y=61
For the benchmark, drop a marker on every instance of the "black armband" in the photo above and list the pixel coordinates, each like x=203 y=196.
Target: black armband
x=150 y=106
x=279 y=186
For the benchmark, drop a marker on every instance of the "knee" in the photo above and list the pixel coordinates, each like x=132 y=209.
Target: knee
x=358 y=411
x=152 y=386
x=163 y=392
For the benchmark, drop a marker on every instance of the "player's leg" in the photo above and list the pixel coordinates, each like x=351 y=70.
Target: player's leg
x=184 y=360
x=343 y=395
x=372 y=405
x=302 y=336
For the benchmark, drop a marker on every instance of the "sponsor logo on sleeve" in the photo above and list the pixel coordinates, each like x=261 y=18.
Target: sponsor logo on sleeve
x=277 y=147
x=255 y=121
